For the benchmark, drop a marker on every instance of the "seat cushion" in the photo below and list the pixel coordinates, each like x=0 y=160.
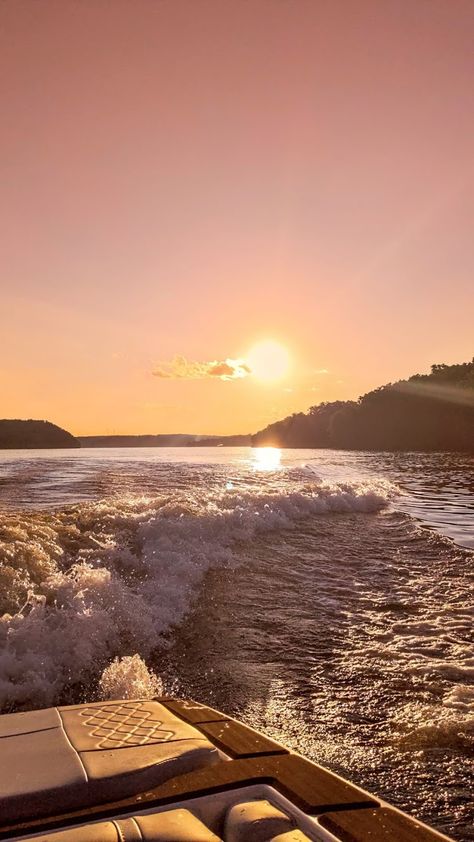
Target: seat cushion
x=33 y=720
x=169 y=826
x=67 y=757
x=174 y=826
x=99 y=832
x=255 y=820
x=122 y=725
x=38 y=769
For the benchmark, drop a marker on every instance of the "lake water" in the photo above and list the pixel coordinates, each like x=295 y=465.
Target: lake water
x=324 y=597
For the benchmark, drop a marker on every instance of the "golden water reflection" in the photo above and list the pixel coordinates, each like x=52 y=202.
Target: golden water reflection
x=266 y=458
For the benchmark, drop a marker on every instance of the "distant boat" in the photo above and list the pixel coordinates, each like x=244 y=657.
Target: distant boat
x=175 y=771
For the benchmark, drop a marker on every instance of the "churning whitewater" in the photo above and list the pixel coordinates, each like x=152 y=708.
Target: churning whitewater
x=323 y=597
x=84 y=584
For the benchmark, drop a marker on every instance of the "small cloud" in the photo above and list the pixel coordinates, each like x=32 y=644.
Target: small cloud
x=182 y=369
x=229 y=369
x=288 y=390
x=321 y=371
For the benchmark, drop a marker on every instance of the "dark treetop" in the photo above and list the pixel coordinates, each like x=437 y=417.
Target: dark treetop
x=426 y=412
x=15 y=434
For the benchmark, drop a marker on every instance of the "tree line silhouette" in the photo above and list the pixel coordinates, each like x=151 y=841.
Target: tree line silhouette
x=426 y=412
x=16 y=434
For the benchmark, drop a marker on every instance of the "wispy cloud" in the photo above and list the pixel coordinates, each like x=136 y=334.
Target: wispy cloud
x=179 y=368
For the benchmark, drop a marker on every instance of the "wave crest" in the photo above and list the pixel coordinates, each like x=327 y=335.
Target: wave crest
x=109 y=579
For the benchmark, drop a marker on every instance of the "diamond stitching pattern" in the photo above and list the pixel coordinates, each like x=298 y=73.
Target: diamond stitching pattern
x=121 y=725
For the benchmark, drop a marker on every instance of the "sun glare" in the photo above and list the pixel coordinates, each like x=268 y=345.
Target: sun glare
x=266 y=458
x=268 y=360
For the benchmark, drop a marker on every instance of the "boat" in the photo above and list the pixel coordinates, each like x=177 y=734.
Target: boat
x=175 y=770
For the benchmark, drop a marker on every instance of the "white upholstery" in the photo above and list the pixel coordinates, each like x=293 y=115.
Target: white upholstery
x=62 y=758
x=37 y=770
x=100 y=832
x=258 y=821
x=171 y=826
x=174 y=826
x=34 y=720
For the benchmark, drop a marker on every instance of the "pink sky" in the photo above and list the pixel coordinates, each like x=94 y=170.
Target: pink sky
x=187 y=178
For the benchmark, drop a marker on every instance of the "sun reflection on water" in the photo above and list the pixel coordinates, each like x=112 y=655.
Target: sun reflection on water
x=266 y=458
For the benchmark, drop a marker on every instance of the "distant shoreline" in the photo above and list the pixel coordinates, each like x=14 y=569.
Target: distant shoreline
x=251 y=446
x=165 y=440
x=428 y=413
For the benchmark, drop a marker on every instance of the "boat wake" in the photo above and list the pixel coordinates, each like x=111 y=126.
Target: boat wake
x=90 y=582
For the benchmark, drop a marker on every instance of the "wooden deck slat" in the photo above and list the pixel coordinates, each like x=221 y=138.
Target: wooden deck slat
x=313 y=789
x=239 y=740
x=191 y=711
x=382 y=825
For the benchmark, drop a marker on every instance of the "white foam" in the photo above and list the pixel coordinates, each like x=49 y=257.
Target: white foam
x=430 y=727
x=129 y=678
x=107 y=579
x=461 y=698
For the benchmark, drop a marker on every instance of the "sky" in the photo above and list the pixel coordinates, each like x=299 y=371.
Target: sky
x=185 y=179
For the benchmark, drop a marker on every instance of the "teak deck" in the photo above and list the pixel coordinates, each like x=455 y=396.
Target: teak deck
x=349 y=813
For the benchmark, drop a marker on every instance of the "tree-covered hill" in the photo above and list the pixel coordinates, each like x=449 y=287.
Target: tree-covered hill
x=426 y=412
x=16 y=434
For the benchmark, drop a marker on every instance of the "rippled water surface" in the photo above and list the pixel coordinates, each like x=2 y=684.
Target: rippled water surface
x=324 y=597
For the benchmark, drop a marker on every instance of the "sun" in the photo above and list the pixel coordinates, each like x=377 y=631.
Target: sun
x=268 y=360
